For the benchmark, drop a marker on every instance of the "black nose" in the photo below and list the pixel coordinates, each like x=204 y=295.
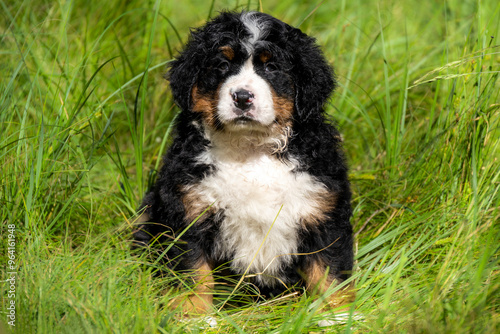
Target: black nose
x=242 y=99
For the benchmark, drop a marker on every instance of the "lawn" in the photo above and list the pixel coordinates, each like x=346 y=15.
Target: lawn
x=85 y=116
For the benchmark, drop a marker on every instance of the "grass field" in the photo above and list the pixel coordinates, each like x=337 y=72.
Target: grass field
x=85 y=115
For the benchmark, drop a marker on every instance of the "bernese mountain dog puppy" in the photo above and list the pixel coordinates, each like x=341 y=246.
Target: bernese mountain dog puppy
x=255 y=179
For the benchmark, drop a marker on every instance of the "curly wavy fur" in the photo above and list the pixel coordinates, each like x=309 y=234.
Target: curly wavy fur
x=253 y=146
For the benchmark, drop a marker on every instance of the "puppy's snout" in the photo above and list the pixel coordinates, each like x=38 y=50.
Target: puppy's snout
x=243 y=99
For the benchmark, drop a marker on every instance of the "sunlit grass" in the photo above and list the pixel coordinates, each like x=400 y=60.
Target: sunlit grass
x=85 y=116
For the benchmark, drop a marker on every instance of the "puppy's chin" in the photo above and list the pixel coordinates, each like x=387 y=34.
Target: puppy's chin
x=244 y=125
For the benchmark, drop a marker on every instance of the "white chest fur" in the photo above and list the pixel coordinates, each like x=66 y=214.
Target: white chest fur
x=251 y=187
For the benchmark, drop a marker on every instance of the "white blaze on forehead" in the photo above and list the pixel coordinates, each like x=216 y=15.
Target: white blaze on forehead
x=262 y=109
x=255 y=27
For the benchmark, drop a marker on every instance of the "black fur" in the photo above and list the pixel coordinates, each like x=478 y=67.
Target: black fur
x=306 y=78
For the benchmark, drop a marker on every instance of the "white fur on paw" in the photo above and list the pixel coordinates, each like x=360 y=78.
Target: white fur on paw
x=201 y=322
x=337 y=319
x=210 y=321
x=327 y=323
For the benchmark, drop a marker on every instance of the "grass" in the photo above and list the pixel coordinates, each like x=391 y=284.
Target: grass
x=85 y=116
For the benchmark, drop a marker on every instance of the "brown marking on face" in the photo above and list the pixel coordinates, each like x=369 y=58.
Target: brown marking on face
x=206 y=104
x=200 y=301
x=283 y=108
x=265 y=56
x=228 y=52
x=318 y=280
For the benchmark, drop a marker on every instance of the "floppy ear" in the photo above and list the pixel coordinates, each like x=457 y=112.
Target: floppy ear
x=183 y=71
x=314 y=77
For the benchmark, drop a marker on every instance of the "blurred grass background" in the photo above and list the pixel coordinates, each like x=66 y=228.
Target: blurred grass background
x=85 y=115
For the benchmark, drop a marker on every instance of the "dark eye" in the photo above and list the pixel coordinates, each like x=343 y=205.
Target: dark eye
x=223 y=66
x=270 y=67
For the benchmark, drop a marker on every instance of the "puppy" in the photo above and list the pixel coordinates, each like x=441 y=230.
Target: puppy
x=255 y=178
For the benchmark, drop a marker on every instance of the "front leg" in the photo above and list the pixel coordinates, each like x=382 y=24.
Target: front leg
x=199 y=301
x=319 y=277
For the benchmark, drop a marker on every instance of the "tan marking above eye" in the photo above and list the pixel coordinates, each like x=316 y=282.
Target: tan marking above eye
x=227 y=51
x=265 y=56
